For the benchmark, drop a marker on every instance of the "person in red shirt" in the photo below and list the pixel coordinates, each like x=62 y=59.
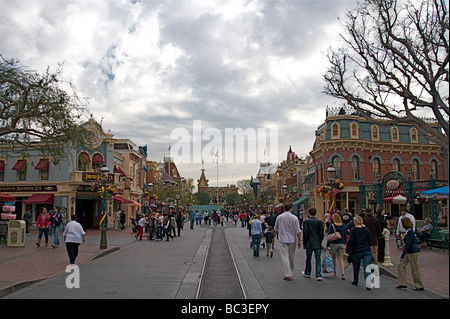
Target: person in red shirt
x=43 y=223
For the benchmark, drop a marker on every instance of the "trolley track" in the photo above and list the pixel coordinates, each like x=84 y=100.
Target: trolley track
x=220 y=278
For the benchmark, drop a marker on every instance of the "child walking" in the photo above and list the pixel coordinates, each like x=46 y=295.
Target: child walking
x=270 y=240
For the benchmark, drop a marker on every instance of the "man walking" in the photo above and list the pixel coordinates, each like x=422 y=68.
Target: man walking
x=256 y=230
x=312 y=241
x=288 y=232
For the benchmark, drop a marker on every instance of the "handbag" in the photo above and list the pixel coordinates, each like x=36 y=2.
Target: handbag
x=334 y=235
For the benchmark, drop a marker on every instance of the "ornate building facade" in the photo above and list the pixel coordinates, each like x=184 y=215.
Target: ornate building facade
x=363 y=156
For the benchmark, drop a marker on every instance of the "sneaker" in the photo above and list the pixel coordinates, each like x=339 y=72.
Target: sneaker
x=305 y=275
x=319 y=278
x=401 y=287
x=418 y=289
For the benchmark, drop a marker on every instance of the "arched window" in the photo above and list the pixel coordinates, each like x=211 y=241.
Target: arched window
x=337 y=166
x=394 y=134
x=354 y=130
x=375 y=133
x=376 y=169
x=355 y=167
x=433 y=170
x=413 y=135
x=415 y=170
x=335 y=130
x=83 y=162
x=97 y=161
x=396 y=165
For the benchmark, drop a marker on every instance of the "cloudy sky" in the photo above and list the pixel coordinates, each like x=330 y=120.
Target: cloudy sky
x=149 y=67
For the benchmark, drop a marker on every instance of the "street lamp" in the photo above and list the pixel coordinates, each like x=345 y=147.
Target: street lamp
x=331 y=171
x=103 y=241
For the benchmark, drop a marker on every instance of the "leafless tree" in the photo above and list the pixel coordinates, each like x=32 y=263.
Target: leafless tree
x=393 y=66
x=40 y=112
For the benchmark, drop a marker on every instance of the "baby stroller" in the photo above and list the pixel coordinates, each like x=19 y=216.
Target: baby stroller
x=135 y=225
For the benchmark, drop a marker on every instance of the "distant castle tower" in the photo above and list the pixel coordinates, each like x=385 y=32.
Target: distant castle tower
x=202 y=183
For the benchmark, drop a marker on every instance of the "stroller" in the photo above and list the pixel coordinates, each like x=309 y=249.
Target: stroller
x=135 y=225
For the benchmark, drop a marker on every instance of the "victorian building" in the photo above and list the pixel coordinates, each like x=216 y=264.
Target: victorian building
x=35 y=181
x=374 y=163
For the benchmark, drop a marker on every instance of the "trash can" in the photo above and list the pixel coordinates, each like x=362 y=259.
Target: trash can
x=16 y=233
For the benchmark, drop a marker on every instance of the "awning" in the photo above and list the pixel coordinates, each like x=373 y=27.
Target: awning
x=300 y=200
x=43 y=164
x=6 y=198
x=136 y=204
x=121 y=200
x=118 y=170
x=20 y=164
x=399 y=199
x=441 y=192
x=97 y=158
x=40 y=199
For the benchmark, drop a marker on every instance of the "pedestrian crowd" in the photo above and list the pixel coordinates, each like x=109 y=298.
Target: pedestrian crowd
x=358 y=238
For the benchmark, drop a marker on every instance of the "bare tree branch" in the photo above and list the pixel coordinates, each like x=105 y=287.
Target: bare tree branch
x=395 y=64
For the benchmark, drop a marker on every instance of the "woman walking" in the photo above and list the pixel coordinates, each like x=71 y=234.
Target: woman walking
x=73 y=236
x=43 y=223
x=359 y=247
x=337 y=246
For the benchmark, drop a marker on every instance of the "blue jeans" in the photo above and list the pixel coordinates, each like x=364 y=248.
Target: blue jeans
x=317 y=253
x=256 y=241
x=55 y=230
x=366 y=258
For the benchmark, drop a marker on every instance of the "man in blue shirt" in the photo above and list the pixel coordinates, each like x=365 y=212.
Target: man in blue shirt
x=256 y=230
x=192 y=218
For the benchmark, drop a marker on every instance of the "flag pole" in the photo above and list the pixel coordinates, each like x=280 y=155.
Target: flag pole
x=217 y=182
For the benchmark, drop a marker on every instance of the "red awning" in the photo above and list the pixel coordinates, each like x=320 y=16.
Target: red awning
x=6 y=198
x=97 y=158
x=40 y=199
x=118 y=170
x=43 y=164
x=20 y=164
x=121 y=200
x=122 y=173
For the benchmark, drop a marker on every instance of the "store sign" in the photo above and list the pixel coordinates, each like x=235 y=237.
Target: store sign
x=393 y=184
x=91 y=177
x=31 y=188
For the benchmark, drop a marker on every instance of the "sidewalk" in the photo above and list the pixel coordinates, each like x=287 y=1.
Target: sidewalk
x=433 y=263
x=21 y=266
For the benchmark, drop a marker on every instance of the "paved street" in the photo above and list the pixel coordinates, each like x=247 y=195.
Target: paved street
x=171 y=270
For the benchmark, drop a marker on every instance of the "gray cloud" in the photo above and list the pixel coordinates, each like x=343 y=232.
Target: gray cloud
x=148 y=67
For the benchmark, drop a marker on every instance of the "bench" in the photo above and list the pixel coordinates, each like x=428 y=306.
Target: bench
x=438 y=238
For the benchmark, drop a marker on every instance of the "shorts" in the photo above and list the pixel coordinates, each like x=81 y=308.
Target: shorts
x=337 y=248
x=269 y=246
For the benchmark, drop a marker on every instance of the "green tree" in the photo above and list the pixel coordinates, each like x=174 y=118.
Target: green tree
x=232 y=199
x=41 y=112
x=202 y=198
